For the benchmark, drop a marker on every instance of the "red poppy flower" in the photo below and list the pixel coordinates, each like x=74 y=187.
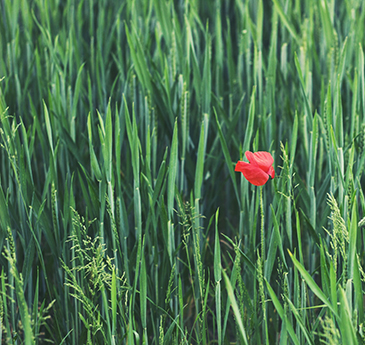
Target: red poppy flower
x=259 y=169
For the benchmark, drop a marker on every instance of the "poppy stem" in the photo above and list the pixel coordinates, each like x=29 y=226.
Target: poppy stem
x=262 y=227
x=261 y=263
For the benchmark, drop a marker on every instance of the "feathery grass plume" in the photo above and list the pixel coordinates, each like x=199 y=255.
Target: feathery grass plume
x=44 y=318
x=245 y=304
x=287 y=189
x=361 y=270
x=285 y=168
x=5 y=329
x=90 y=278
x=188 y=222
x=167 y=299
x=197 y=252
x=286 y=296
x=161 y=332
x=283 y=285
x=55 y=212
x=115 y=235
x=169 y=286
x=339 y=234
x=329 y=333
x=350 y=192
x=23 y=328
x=260 y=278
x=184 y=220
x=10 y=254
x=11 y=245
x=327 y=113
x=90 y=314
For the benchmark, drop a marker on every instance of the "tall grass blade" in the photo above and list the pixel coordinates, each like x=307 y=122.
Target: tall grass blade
x=235 y=307
x=311 y=283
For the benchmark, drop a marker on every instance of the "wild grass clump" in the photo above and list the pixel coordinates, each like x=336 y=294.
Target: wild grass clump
x=122 y=218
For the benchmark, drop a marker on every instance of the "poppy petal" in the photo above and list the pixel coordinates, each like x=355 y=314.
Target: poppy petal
x=240 y=166
x=263 y=159
x=250 y=156
x=252 y=173
x=271 y=172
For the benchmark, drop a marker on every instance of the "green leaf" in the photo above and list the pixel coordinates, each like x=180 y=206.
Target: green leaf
x=286 y=21
x=172 y=172
x=311 y=283
x=353 y=240
x=199 y=171
x=236 y=311
x=281 y=313
x=48 y=127
x=108 y=144
x=345 y=319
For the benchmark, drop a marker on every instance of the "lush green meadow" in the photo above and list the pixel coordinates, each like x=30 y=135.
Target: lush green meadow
x=121 y=217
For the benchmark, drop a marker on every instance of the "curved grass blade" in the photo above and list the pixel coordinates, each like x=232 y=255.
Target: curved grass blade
x=312 y=284
x=235 y=307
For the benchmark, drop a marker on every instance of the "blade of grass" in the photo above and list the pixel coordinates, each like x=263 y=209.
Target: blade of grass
x=311 y=283
x=218 y=278
x=235 y=308
x=282 y=314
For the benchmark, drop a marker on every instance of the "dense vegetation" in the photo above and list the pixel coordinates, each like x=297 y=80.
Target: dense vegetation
x=121 y=217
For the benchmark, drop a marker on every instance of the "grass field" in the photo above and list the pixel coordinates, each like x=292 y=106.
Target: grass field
x=122 y=219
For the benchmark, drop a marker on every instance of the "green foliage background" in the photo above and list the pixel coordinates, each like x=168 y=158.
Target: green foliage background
x=121 y=217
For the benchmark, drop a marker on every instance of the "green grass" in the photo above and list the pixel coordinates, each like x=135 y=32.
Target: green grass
x=121 y=217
